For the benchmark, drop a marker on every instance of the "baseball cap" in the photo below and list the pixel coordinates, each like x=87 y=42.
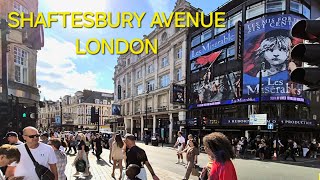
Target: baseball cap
x=10 y=134
x=130 y=137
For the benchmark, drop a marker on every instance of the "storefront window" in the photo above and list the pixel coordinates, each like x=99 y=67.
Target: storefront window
x=296 y=7
x=234 y=19
x=255 y=10
x=275 y=5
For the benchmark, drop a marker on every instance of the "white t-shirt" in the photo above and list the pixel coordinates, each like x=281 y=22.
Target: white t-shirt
x=43 y=154
x=181 y=140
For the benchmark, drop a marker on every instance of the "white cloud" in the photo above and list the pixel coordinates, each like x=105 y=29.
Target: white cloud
x=60 y=55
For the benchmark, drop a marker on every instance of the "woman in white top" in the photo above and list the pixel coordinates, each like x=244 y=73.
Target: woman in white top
x=117 y=154
x=8 y=155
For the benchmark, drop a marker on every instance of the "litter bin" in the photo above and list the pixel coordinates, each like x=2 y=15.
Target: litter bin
x=154 y=142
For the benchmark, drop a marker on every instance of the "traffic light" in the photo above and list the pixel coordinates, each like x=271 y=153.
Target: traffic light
x=94 y=115
x=307 y=30
x=24 y=112
x=195 y=122
x=204 y=121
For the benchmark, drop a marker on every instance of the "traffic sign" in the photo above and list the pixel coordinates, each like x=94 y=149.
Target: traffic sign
x=258 y=119
x=270 y=126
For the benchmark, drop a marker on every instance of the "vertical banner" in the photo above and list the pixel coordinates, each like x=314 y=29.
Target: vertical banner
x=239 y=41
x=267 y=46
x=116 y=109
x=177 y=94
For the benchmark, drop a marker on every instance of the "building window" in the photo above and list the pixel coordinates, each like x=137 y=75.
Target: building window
x=139 y=89
x=231 y=51
x=255 y=10
x=97 y=101
x=206 y=35
x=306 y=11
x=179 y=75
x=150 y=85
x=150 y=69
x=139 y=74
x=296 y=7
x=195 y=41
x=21 y=65
x=105 y=102
x=178 y=53
x=234 y=19
x=220 y=30
x=164 y=62
x=164 y=37
x=164 y=80
x=19 y=8
x=275 y=5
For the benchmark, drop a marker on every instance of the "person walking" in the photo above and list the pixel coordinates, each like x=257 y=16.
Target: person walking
x=12 y=138
x=136 y=155
x=117 y=155
x=8 y=155
x=192 y=151
x=61 y=158
x=219 y=149
x=111 y=140
x=83 y=150
x=97 y=142
x=289 y=151
x=42 y=153
x=180 y=144
x=72 y=143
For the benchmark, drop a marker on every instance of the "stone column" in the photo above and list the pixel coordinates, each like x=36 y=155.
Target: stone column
x=170 y=128
x=154 y=124
x=131 y=127
x=142 y=125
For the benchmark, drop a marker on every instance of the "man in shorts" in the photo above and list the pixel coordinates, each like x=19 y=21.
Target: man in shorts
x=180 y=144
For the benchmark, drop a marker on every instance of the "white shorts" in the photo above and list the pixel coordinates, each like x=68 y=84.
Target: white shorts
x=180 y=149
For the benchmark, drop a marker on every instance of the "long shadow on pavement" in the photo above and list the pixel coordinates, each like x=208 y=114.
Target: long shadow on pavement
x=102 y=162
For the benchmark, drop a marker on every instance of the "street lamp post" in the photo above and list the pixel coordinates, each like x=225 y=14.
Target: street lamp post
x=262 y=67
x=146 y=120
x=60 y=113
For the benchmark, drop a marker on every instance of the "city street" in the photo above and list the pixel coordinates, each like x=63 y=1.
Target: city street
x=163 y=161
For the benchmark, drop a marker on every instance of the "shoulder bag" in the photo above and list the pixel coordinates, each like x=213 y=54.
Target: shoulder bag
x=43 y=172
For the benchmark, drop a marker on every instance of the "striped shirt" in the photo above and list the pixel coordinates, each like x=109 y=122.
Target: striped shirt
x=61 y=164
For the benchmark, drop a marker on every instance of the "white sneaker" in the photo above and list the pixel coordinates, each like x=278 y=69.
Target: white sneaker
x=178 y=162
x=182 y=162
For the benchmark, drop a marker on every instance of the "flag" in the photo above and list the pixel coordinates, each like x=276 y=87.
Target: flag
x=203 y=60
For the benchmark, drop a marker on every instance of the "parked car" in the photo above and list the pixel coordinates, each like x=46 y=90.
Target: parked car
x=105 y=138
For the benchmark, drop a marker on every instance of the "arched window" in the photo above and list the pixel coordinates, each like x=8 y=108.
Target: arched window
x=164 y=37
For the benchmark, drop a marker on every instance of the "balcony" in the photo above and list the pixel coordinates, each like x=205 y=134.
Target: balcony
x=162 y=108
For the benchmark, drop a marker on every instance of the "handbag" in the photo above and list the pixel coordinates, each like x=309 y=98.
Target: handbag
x=195 y=172
x=43 y=172
x=80 y=165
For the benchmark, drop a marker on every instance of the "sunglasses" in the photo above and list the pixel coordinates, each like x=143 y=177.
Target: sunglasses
x=33 y=136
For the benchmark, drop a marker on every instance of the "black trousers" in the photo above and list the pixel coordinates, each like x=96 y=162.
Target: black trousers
x=98 y=152
x=291 y=154
x=74 y=149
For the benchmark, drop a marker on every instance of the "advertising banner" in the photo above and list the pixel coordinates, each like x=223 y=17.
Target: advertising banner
x=57 y=120
x=177 y=94
x=213 y=44
x=116 y=109
x=215 y=89
x=267 y=46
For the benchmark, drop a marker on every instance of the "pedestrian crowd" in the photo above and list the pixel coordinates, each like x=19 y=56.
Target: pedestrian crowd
x=268 y=148
x=43 y=155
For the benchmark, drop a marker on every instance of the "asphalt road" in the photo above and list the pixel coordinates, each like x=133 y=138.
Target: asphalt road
x=164 y=158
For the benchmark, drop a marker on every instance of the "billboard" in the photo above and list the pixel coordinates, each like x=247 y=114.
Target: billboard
x=267 y=46
x=177 y=94
x=217 y=88
x=116 y=109
x=57 y=120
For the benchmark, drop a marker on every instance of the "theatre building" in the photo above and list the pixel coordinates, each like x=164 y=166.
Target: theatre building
x=223 y=92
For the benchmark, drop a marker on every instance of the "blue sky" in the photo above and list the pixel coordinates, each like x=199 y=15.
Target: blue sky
x=61 y=72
